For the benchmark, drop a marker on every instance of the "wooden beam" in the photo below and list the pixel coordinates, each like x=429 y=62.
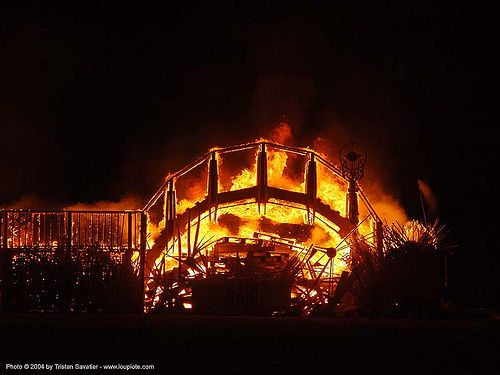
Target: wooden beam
x=144 y=227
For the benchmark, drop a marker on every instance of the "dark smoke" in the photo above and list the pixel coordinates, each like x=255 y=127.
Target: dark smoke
x=300 y=232
x=232 y=222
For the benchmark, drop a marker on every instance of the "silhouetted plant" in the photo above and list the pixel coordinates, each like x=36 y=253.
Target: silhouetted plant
x=405 y=279
x=91 y=280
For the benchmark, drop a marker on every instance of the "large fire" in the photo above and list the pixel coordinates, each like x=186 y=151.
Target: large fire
x=258 y=228
x=290 y=201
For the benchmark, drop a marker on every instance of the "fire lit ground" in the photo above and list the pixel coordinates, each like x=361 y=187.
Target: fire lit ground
x=259 y=228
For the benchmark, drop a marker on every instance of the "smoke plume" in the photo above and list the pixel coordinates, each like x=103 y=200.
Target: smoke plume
x=429 y=197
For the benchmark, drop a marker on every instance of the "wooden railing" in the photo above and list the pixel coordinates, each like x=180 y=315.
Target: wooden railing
x=112 y=230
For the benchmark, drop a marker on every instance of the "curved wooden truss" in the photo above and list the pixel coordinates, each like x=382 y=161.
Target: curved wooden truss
x=261 y=193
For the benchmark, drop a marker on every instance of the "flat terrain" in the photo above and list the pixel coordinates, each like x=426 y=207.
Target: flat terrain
x=248 y=344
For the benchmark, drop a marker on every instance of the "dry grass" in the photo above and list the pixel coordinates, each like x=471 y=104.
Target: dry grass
x=406 y=278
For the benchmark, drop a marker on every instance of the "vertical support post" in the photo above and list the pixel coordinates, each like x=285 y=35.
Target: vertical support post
x=189 y=233
x=379 y=237
x=144 y=225
x=179 y=252
x=311 y=188
x=129 y=231
x=262 y=177
x=352 y=202
x=69 y=228
x=353 y=216
x=170 y=204
x=213 y=186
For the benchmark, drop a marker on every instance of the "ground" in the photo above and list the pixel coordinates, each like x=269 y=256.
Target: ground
x=252 y=344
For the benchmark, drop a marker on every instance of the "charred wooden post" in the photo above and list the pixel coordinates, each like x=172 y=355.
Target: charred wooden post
x=170 y=203
x=213 y=186
x=352 y=203
x=311 y=188
x=189 y=234
x=353 y=216
x=129 y=231
x=262 y=177
x=144 y=227
x=353 y=158
x=179 y=252
x=128 y=252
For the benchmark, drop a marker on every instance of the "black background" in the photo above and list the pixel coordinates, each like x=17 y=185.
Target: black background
x=100 y=99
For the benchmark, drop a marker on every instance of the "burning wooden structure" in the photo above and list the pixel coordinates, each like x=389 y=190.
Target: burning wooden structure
x=268 y=233
x=258 y=228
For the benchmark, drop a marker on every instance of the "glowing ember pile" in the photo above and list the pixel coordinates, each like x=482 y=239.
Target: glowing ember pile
x=262 y=220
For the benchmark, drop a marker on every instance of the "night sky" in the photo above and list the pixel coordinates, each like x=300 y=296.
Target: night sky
x=100 y=101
